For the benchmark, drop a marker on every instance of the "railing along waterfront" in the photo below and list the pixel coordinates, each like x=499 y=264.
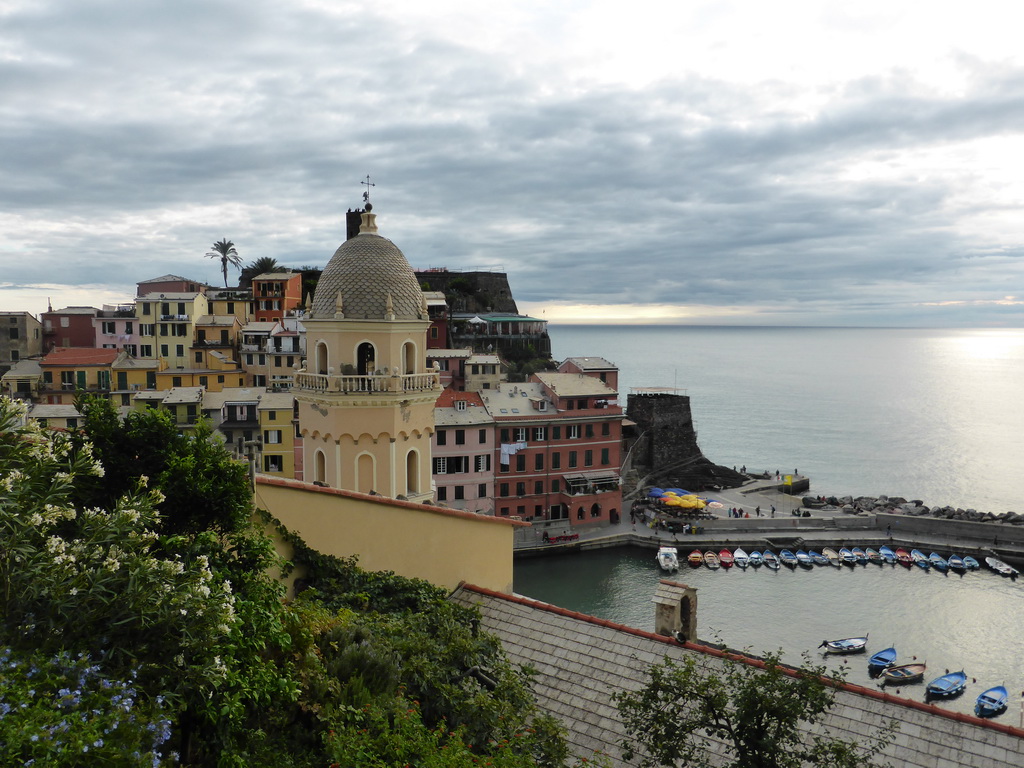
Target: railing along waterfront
x=410 y=382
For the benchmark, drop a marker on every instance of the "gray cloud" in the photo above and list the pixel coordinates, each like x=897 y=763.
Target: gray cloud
x=136 y=135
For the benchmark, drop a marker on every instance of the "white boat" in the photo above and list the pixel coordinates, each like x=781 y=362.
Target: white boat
x=668 y=558
x=846 y=645
x=1001 y=568
x=740 y=558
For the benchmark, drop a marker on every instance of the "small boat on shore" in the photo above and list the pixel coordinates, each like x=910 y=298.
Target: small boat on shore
x=938 y=562
x=668 y=558
x=888 y=555
x=846 y=645
x=1001 y=568
x=725 y=558
x=711 y=560
x=771 y=560
x=756 y=559
x=971 y=563
x=803 y=559
x=903 y=557
x=874 y=556
x=787 y=558
x=957 y=564
x=832 y=555
x=920 y=560
x=861 y=556
x=881 y=660
x=847 y=556
x=695 y=559
x=740 y=558
x=992 y=702
x=817 y=558
x=905 y=673
x=947 y=686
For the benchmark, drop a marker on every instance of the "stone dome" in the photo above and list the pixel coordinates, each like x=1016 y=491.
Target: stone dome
x=367 y=270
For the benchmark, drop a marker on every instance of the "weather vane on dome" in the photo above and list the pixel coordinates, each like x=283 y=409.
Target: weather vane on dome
x=367 y=184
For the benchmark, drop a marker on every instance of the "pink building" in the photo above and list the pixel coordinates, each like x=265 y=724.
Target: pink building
x=463 y=452
x=559 y=449
x=116 y=327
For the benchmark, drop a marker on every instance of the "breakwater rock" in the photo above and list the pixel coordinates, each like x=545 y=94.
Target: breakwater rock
x=899 y=506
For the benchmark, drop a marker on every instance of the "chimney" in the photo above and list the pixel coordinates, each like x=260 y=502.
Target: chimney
x=675 y=612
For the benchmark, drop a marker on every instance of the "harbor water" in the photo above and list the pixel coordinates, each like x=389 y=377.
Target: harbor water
x=950 y=622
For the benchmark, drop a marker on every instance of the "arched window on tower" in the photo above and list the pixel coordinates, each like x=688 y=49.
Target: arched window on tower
x=320 y=468
x=412 y=473
x=322 y=359
x=366 y=357
x=409 y=357
x=365 y=473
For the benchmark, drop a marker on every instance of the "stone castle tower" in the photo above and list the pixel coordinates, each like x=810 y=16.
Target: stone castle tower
x=365 y=397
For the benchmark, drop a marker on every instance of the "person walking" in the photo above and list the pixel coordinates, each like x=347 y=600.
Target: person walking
x=757 y=510
x=773 y=510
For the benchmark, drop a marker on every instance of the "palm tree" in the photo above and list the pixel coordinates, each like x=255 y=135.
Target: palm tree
x=260 y=266
x=225 y=251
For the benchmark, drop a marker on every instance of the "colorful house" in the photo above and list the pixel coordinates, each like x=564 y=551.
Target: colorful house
x=463 y=452
x=69 y=370
x=276 y=295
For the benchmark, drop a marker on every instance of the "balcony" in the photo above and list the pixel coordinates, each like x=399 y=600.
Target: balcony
x=331 y=383
x=182 y=318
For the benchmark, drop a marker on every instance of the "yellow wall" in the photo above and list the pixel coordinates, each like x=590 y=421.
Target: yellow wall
x=443 y=546
x=286 y=448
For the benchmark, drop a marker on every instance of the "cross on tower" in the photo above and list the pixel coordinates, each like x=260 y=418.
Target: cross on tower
x=367 y=184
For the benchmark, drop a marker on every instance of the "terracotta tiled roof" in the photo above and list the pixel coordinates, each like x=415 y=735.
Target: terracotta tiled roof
x=581 y=661
x=448 y=397
x=69 y=356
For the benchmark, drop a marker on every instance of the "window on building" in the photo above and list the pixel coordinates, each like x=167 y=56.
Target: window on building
x=179 y=350
x=606 y=429
x=572 y=459
x=503 y=490
x=199 y=357
x=588 y=458
x=145 y=308
x=440 y=465
x=481 y=491
x=442 y=437
x=460 y=437
x=204 y=381
x=220 y=379
x=539 y=434
x=538 y=487
x=556 y=433
x=442 y=493
x=272 y=436
x=460 y=492
x=460 y=405
x=483 y=436
x=504 y=510
x=65 y=322
x=520 y=435
x=147 y=329
x=556 y=460
x=109 y=328
x=556 y=484
x=538 y=461
x=483 y=462
x=128 y=329
x=231 y=307
x=605 y=459
x=520 y=489
x=589 y=430
x=520 y=462
x=175 y=381
x=272 y=416
x=504 y=435
x=572 y=431
x=273 y=463
x=521 y=510
x=458 y=464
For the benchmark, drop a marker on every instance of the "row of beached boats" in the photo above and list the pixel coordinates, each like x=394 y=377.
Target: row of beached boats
x=990 y=703
x=668 y=559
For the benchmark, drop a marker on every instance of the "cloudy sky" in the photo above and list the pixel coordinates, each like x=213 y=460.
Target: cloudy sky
x=802 y=162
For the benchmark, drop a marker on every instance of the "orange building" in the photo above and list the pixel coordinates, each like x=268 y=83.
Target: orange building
x=275 y=295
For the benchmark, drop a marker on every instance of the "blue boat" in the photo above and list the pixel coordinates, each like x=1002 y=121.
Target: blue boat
x=887 y=554
x=788 y=558
x=992 y=702
x=881 y=660
x=946 y=687
x=956 y=563
x=861 y=556
x=817 y=558
x=971 y=563
x=755 y=559
x=919 y=559
x=804 y=559
x=938 y=562
x=847 y=557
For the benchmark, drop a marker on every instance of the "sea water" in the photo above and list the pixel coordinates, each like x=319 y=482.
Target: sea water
x=926 y=414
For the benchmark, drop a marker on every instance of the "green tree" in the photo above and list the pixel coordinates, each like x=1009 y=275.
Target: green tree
x=260 y=266
x=759 y=710
x=225 y=251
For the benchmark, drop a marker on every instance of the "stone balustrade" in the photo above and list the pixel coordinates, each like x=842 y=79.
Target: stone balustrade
x=374 y=382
